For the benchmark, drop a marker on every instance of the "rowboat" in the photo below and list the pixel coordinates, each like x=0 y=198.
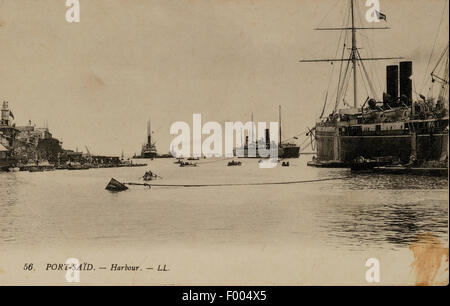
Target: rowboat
x=234 y=163
x=149 y=176
x=187 y=164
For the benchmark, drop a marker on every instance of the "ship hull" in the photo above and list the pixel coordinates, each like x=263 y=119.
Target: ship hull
x=149 y=155
x=347 y=148
x=244 y=153
x=290 y=152
x=333 y=146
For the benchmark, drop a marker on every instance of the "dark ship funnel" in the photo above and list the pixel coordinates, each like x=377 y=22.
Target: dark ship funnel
x=392 y=81
x=267 y=138
x=405 y=80
x=149 y=133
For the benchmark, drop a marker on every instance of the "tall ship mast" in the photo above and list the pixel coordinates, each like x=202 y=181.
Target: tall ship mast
x=396 y=126
x=287 y=149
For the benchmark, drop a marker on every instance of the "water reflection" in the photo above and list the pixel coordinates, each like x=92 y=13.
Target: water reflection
x=397 y=182
x=358 y=211
x=371 y=224
x=394 y=216
x=8 y=192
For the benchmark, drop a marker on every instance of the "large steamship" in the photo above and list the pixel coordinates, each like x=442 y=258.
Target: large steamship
x=398 y=126
x=149 y=148
x=250 y=149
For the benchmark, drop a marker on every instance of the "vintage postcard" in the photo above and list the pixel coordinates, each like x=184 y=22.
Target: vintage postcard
x=224 y=143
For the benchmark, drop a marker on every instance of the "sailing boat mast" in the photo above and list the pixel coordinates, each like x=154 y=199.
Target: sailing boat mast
x=354 y=52
x=253 y=125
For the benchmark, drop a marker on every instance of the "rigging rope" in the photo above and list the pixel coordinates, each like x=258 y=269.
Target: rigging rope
x=363 y=81
x=434 y=45
x=367 y=77
x=373 y=68
x=339 y=89
x=312 y=144
x=293 y=137
x=333 y=66
x=347 y=81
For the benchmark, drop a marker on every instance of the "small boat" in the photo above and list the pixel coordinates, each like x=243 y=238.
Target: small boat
x=36 y=169
x=361 y=163
x=187 y=164
x=149 y=176
x=115 y=185
x=326 y=164
x=234 y=163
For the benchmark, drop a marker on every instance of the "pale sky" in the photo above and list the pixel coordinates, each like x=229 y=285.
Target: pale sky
x=97 y=82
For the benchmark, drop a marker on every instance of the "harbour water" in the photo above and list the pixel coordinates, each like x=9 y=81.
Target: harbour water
x=223 y=235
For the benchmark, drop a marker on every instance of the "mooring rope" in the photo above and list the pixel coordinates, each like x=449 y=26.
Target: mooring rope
x=239 y=184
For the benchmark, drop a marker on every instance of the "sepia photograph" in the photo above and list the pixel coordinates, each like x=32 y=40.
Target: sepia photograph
x=225 y=143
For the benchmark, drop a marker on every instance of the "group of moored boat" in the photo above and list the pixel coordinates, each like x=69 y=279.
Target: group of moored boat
x=390 y=165
x=232 y=163
x=50 y=167
x=386 y=165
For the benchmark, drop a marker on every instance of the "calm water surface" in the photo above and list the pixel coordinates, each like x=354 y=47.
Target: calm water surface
x=365 y=210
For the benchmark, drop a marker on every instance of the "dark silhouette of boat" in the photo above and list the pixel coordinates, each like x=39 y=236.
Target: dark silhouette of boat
x=187 y=164
x=115 y=185
x=361 y=163
x=234 y=163
x=149 y=176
